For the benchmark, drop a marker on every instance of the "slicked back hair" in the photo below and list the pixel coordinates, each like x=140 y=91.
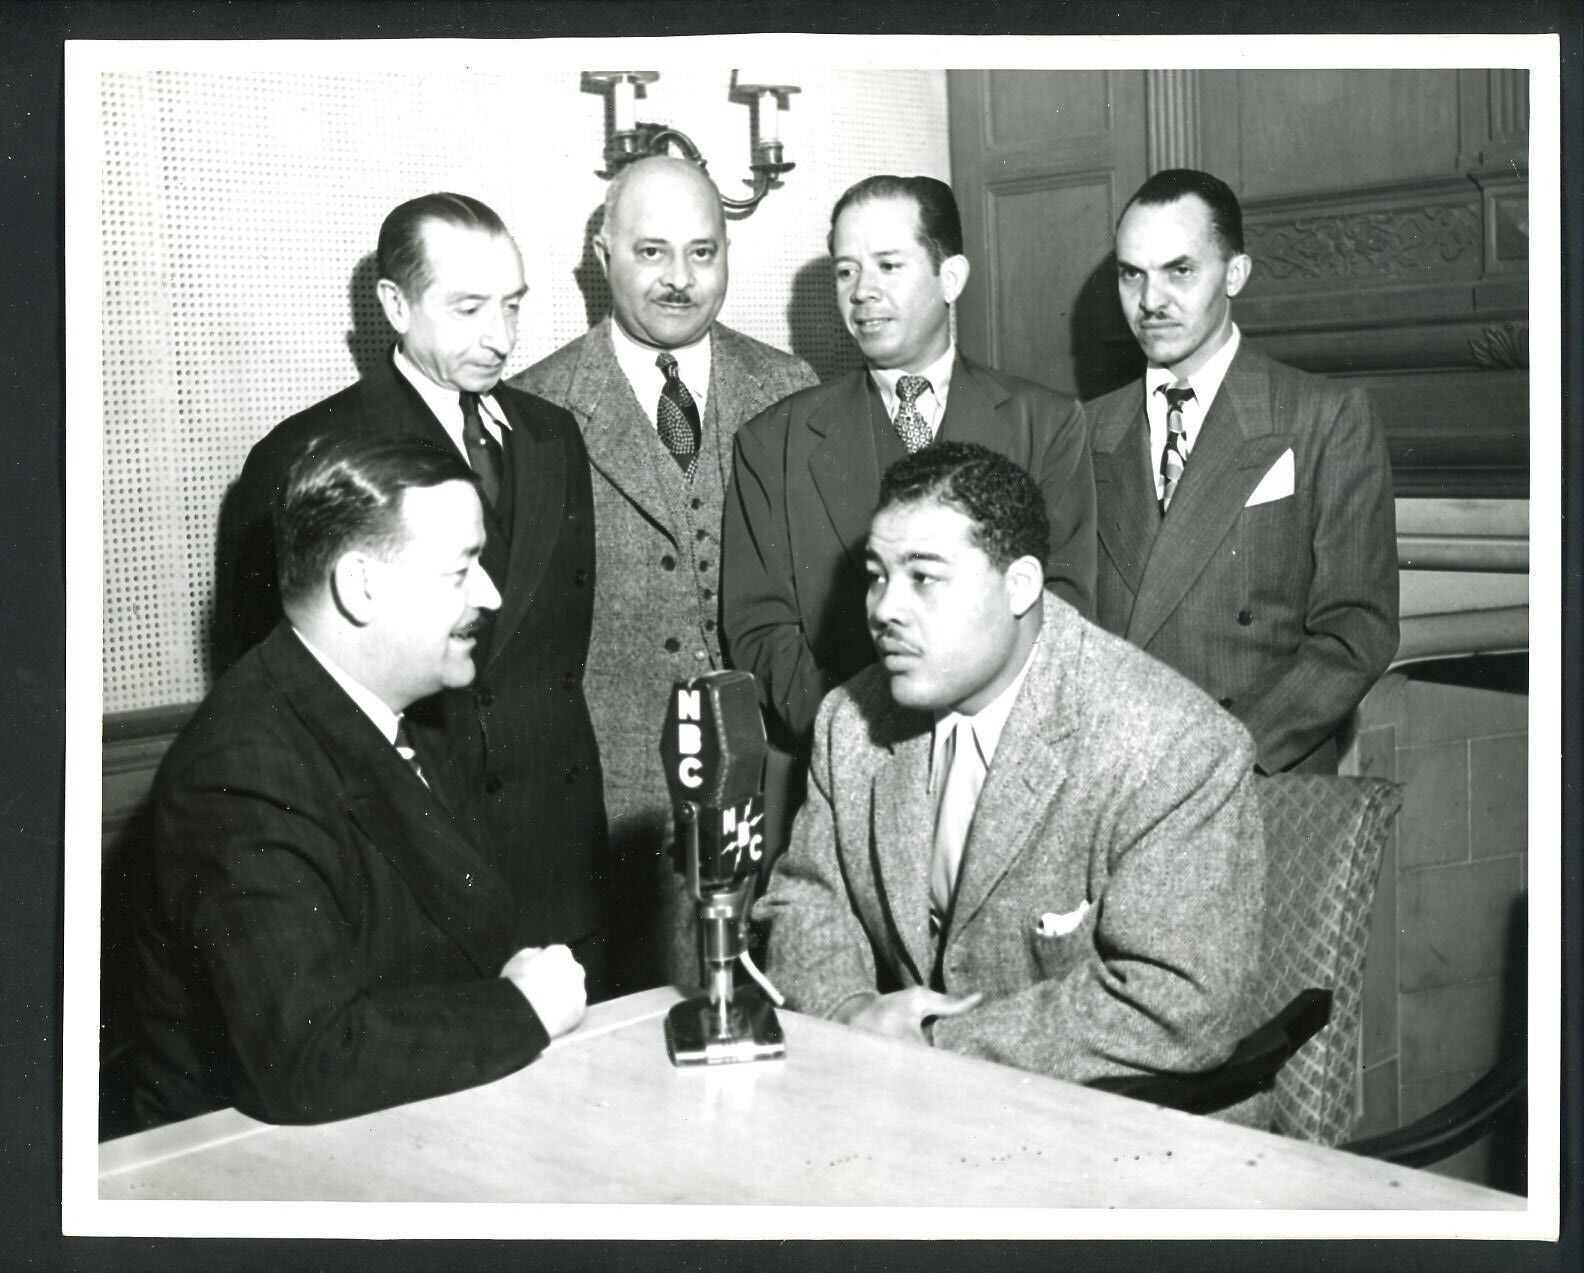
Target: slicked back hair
x=994 y=493
x=401 y=256
x=939 y=222
x=344 y=493
x=1171 y=184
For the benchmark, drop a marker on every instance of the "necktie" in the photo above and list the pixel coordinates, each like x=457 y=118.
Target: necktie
x=678 y=417
x=1175 y=454
x=483 y=451
x=909 y=423
x=404 y=749
x=961 y=779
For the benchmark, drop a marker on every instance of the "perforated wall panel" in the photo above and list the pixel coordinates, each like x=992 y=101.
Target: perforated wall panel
x=240 y=213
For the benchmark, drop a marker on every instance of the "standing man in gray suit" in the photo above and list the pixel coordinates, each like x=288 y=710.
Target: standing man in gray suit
x=658 y=390
x=1247 y=530
x=1024 y=840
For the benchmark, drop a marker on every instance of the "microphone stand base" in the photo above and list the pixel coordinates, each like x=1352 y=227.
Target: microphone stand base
x=754 y=1032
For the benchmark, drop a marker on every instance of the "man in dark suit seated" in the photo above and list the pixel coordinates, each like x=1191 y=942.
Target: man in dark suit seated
x=326 y=934
x=451 y=283
x=1024 y=840
x=1247 y=531
x=806 y=472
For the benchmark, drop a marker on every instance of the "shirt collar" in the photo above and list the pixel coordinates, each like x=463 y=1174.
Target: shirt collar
x=938 y=373
x=1206 y=382
x=446 y=402
x=638 y=365
x=990 y=720
x=373 y=706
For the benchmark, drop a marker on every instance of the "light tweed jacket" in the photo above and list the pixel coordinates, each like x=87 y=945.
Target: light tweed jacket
x=1119 y=804
x=656 y=580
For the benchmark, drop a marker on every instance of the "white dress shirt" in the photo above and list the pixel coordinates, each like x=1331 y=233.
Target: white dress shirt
x=932 y=405
x=647 y=380
x=374 y=707
x=1206 y=383
x=446 y=403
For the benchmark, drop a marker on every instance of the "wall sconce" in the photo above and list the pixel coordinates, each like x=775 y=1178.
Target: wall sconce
x=633 y=139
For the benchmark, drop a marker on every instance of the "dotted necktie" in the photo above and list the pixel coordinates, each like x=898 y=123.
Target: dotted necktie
x=678 y=417
x=961 y=779
x=404 y=749
x=483 y=451
x=909 y=423
x=1175 y=455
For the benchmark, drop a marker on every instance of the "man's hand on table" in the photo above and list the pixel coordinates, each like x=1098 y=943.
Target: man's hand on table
x=552 y=982
x=903 y=1014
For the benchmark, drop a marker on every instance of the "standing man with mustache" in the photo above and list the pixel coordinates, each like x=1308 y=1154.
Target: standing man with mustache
x=1248 y=531
x=806 y=473
x=451 y=284
x=658 y=389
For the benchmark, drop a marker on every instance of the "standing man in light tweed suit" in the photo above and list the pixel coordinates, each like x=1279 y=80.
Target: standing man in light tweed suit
x=1024 y=839
x=1247 y=530
x=658 y=390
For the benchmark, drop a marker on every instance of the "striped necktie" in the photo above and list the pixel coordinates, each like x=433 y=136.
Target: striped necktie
x=1175 y=454
x=483 y=451
x=405 y=749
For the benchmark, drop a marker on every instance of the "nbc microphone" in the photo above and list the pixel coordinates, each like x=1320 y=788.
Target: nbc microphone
x=713 y=749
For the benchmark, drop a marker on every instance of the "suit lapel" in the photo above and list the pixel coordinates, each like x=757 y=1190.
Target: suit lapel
x=539 y=494
x=1026 y=774
x=735 y=391
x=1129 y=515
x=903 y=840
x=621 y=443
x=452 y=881
x=843 y=465
x=971 y=410
x=1235 y=447
x=388 y=401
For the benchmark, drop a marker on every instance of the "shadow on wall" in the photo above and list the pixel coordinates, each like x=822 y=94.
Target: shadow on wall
x=589 y=275
x=817 y=334
x=1104 y=354
x=369 y=338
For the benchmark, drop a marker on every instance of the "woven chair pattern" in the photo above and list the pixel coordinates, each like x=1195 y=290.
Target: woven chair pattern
x=1324 y=838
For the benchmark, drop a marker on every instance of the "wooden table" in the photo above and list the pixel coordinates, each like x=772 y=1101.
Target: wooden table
x=847 y=1118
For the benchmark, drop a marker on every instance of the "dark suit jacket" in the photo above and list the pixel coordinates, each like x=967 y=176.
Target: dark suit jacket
x=1119 y=808
x=323 y=937
x=522 y=730
x=1286 y=611
x=805 y=481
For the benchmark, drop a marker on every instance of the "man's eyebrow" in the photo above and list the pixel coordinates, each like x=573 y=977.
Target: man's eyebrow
x=923 y=554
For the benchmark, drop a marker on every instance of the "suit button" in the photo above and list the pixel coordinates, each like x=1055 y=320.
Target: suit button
x=697 y=502
x=1226 y=702
x=579 y=578
x=709 y=625
x=668 y=562
x=700 y=655
x=1244 y=618
x=493 y=783
x=709 y=594
x=701 y=533
x=703 y=566
x=672 y=645
x=486 y=697
x=569 y=680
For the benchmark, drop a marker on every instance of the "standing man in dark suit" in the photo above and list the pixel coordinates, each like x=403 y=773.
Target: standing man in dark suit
x=1024 y=840
x=658 y=390
x=806 y=473
x=451 y=283
x=1247 y=527
x=324 y=937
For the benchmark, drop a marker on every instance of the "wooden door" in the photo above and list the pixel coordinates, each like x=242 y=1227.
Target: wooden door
x=1041 y=162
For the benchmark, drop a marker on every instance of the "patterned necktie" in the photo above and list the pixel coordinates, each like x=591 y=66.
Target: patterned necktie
x=961 y=779
x=678 y=417
x=909 y=423
x=404 y=749
x=1175 y=454
x=483 y=451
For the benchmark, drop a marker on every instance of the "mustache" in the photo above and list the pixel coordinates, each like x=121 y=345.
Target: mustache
x=674 y=298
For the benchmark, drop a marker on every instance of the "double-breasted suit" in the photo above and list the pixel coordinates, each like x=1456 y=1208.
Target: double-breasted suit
x=521 y=731
x=657 y=590
x=1271 y=582
x=1108 y=905
x=805 y=482
x=324 y=936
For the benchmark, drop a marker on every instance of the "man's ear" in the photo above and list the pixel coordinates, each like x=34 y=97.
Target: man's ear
x=602 y=252
x=1237 y=273
x=1025 y=583
x=392 y=300
x=954 y=277
x=353 y=586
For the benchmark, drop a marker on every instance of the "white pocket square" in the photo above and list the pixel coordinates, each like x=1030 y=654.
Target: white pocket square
x=1054 y=925
x=1277 y=482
